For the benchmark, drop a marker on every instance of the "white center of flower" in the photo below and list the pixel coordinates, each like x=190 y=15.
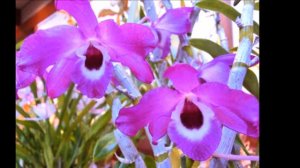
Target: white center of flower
x=94 y=59
x=193 y=128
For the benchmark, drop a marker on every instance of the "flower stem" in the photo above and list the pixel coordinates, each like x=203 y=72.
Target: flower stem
x=127 y=147
x=127 y=83
x=150 y=9
x=65 y=106
x=237 y=75
x=167 y=4
x=236 y=157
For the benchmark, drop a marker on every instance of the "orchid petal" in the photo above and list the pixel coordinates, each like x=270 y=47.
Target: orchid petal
x=176 y=21
x=158 y=127
x=45 y=47
x=82 y=11
x=59 y=78
x=183 y=76
x=138 y=66
x=214 y=72
x=234 y=108
x=153 y=105
x=23 y=79
x=163 y=47
x=229 y=58
x=127 y=38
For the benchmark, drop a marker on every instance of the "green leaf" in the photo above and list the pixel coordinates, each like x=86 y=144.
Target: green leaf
x=72 y=110
x=251 y=83
x=208 y=46
x=219 y=6
x=149 y=161
x=30 y=124
x=225 y=9
x=68 y=132
x=33 y=88
x=98 y=125
x=104 y=147
x=26 y=155
x=256 y=6
x=65 y=107
x=48 y=154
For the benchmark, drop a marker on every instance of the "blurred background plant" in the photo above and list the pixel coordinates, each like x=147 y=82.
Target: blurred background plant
x=76 y=131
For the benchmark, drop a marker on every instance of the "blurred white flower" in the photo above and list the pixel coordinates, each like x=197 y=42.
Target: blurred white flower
x=43 y=111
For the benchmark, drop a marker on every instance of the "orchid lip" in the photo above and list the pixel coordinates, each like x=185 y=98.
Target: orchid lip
x=94 y=58
x=191 y=116
x=202 y=80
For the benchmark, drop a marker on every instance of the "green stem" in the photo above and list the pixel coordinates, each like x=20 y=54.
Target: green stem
x=64 y=108
x=73 y=110
x=66 y=135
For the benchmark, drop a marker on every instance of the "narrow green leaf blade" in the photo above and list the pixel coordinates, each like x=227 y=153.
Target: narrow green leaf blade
x=219 y=6
x=30 y=124
x=208 y=46
x=104 y=147
x=251 y=83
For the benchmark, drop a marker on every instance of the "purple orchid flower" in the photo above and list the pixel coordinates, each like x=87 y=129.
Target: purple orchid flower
x=193 y=113
x=84 y=54
x=218 y=69
x=174 y=21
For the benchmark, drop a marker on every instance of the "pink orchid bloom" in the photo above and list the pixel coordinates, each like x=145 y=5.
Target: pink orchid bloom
x=84 y=54
x=218 y=69
x=174 y=21
x=193 y=113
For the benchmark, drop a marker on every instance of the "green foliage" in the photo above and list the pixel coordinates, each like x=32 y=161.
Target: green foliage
x=77 y=140
x=208 y=46
x=251 y=83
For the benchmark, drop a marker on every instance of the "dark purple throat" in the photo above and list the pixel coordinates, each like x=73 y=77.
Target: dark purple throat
x=191 y=116
x=94 y=58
